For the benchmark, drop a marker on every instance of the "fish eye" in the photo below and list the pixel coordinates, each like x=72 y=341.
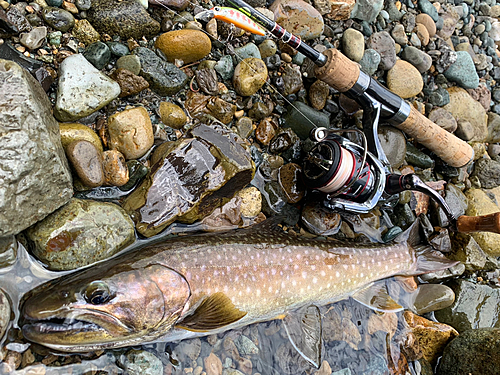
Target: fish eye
x=97 y=293
x=217 y=9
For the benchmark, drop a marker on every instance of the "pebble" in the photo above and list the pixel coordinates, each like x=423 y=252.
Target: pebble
x=35 y=38
x=482 y=95
x=422 y=34
x=87 y=162
x=404 y=80
x=266 y=130
x=80 y=233
x=494 y=33
x=85 y=32
x=370 y=61
x=225 y=67
x=384 y=45
x=130 y=62
x=172 y=115
x=130 y=84
x=5 y=312
x=164 y=78
x=267 y=48
x=444 y=119
x=299 y=16
x=82 y=89
x=98 y=54
x=367 y=10
x=428 y=22
x=319 y=220
x=302 y=119
x=244 y=126
x=213 y=365
x=71 y=132
x=493 y=127
x=126 y=18
x=393 y=143
x=187 y=45
x=463 y=71
x=251 y=201
x=118 y=49
x=290 y=181
x=142 y=362
x=318 y=94
x=353 y=44
x=131 y=132
x=249 y=76
x=432 y=297
x=245 y=52
x=59 y=19
x=291 y=79
x=427 y=7
x=417 y=158
x=462 y=106
x=398 y=33
x=464 y=130
x=115 y=168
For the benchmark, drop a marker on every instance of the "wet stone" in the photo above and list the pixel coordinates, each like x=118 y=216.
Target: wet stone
x=370 y=61
x=80 y=233
x=266 y=130
x=118 y=49
x=318 y=94
x=319 y=220
x=126 y=18
x=267 y=48
x=130 y=83
x=393 y=143
x=244 y=126
x=142 y=362
x=259 y=111
x=5 y=312
x=467 y=251
x=8 y=253
x=187 y=45
x=35 y=38
x=299 y=16
x=417 y=158
x=85 y=32
x=432 y=297
x=207 y=81
x=172 y=115
x=249 y=76
x=98 y=54
x=71 y=132
x=87 y=162
x=114 y=168
x=285 y=139
x=164 y=78
x=131 y=132
x=291 y=79
x=130 y=62
x=225 y=67
x=14 y=21
x=290 y=181
x=221 y=110
x=251 y=201
x=137 y=171
x=213 y=365
x=302 y=119
x=247 y=51
x=59 y=19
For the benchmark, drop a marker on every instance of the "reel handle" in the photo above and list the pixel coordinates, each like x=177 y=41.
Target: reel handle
x=343 y=74
x=484 y=223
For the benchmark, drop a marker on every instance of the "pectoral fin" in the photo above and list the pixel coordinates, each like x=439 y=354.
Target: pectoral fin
x=214 y=312
x=376 y=297
x=303 y=328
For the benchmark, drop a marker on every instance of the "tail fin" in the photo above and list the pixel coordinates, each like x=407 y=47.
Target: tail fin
x=428 y=260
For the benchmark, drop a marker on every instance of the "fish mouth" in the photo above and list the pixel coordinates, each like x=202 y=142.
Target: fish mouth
x=59 y=325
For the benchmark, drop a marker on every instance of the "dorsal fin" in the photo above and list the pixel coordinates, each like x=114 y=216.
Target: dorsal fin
x=214 y=312
x=376 y=297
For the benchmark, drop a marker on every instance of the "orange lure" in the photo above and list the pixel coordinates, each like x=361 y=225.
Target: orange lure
x=238 y=19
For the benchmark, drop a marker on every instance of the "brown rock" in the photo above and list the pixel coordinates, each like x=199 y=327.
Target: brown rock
x=404 y=79
x=449 y=24
x=213 y=365
x=187 y=45
x=249 y=76
x=131 y=132
x=290 y=181
x=299 y=17
x=71 y=132
x=422 y=33
x=340 y=10
x=172 y=115
x=87 y=162
x=176 y=4
x=318 y=94
x=444 y=119
x=428 y=22
x=431 y=337
x=115 y=168
x=221 y=110
x=266 y=130
x=386 y=322
x=85 y=32
x=130 y=84
x=482 y=95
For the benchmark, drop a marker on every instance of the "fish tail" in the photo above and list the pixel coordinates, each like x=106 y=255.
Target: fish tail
x=427 y=260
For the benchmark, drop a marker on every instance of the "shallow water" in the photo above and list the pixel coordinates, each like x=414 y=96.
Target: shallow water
x=356 y=340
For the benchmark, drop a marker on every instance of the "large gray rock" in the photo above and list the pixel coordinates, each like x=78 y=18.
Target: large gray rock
x=34 y=175
x=82 y=89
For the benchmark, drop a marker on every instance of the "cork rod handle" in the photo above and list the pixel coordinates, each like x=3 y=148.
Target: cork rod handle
x=485 y=223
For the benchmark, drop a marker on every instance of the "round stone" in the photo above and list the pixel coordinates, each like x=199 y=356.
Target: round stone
x=172 y=115
x=393 y=143
x=267 y=48
x=59 y=19
x=115 y=168
x=422 y=34
x=78 y=132
x=290 y=181
x=383 y=43
x=432 y=297
x=399 y=35
x=428 y=22
x=87 y=162
x=444 y=119
x=249 y=76
x=318 y=94
x=187 y=45
x=404 y=80
x=266 y=130
x=98 y=54
x=353 y=44
x=131 y=132
x=251 y=201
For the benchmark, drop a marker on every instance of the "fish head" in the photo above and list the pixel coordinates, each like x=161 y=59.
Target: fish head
x=96 y=310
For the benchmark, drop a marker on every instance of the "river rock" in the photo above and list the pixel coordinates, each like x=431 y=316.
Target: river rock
x=131 y=63
x=86 y=161
x=335 y=9
x=463 y=71
x=266 y=130
x=428 y=22
x=267 y=48
x=126 y=18
x=5 y=312
x=476 y=351
x=71 y=132
x=59 y=19
x=319 y=220
x=370 y=61
x=98 y=54
x=35 y=38
x=163 y=77
x=493 y=127
x=393 y=143
x=130 y=84
x=172 y=115
x=249 y=76
x=487 y=171
x=131 y=132
x=115 y=168
x=404 y=80
x=187 y=45
x=245 y=52
x=419 y=59
x=432 y=337
x=251 y=201
x=353 y=44
x=385 y=46
x=191 y=177
x=475 y=306
x=85 y=32
x=80 y=233
x=318 y=94
x=142 y=362
x=82 y=89
x=432 y=297
x=302 y=119
x=367 y=10
x=466 y=250
x=300 y=17
x=35 y=178
x=462 y=106
x=399 y=35
x=290 y=181
x=444 y=119
x=291 y=78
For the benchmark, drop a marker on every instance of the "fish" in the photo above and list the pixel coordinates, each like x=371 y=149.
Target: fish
x=198 y=285
x=234 y=16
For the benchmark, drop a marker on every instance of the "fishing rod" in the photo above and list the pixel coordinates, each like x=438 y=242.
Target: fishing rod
x=352 y=178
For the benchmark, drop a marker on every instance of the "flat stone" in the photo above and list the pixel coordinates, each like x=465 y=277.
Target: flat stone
x=82 y=89
x=422 y=34
x=444 y=119
x=335 y=9
x=130 y=84
x=81 y=233
x=131 y=132
x=299 y=16
x=393 y=143
x=404 y=80
x=399 y=35
x=433 y=297
x=353 y=44
x=187 y=45
x=462 y=106
x=428 y=22
x=35 y=178
x=370 y=61
x=249 y=76
x=126 y=18
x=87 y=162
x=463 y=71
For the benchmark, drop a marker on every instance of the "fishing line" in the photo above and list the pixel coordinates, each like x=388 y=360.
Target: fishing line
x=242 y=59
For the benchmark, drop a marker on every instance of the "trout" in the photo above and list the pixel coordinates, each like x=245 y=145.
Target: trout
x=206 y=284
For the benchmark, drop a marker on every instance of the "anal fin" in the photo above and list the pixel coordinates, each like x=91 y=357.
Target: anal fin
x=214 y=312
x=304 y=329
x=376 y=297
